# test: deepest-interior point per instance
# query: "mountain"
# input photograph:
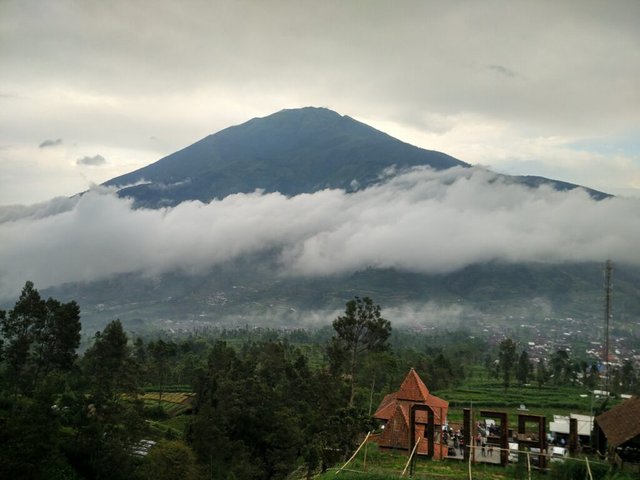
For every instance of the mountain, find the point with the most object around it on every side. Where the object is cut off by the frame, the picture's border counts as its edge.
(306, 150)
(292, 151)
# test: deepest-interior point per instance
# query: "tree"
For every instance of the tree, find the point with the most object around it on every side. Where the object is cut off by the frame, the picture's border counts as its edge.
(560, 367)
(169, 460)
(42, 336)
(593, 376)
(542, 374)
(109, 364)
(161, 352)
(112, 422)
(628, 378)
(361, 329)
(523, 369)
(58, 337)
(18, 329)
(506, 360)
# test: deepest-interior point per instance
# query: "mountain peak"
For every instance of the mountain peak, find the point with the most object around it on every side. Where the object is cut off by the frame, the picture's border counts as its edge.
(291, 151)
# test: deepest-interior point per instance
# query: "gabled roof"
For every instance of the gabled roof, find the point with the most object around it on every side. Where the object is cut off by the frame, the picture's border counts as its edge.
(400, 412)
(413, 388)
(387, 411)
(621, 423)
(387, 407)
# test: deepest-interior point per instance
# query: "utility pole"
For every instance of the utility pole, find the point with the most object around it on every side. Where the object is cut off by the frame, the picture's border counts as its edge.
(608, 269)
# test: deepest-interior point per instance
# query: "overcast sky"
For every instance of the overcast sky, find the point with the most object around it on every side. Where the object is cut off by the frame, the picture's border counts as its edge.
(90, 90)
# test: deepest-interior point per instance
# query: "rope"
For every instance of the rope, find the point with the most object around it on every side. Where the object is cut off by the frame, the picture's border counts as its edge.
(588, 468)
(354, 453)
(411, 456)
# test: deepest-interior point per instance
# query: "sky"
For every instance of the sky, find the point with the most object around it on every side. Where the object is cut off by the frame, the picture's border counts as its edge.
(92, 90)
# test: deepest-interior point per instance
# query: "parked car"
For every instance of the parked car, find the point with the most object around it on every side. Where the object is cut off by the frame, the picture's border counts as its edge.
(534, 456)
(513, 452)
(558, 454)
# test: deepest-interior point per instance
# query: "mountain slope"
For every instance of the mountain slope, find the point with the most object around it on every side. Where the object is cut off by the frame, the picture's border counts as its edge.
(292, 151)
(247, 291)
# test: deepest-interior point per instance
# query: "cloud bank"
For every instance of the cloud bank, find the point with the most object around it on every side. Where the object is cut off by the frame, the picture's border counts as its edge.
(422, 220)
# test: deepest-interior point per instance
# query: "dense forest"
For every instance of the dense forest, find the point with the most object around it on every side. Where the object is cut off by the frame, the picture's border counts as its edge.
(259, 403)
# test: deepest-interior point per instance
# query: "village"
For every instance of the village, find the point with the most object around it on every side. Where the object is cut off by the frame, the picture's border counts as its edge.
(414, 421)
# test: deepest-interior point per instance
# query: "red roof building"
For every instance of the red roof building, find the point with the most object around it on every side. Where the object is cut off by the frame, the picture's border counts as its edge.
(620, 427)
(394, 411)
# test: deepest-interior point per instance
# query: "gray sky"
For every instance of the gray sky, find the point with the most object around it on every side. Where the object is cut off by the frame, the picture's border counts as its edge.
(90, 90)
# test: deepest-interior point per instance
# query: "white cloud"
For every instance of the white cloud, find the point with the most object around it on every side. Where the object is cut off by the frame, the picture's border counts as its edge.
(420, 221)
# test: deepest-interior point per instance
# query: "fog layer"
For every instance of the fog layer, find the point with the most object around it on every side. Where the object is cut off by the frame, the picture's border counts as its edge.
(426, 221)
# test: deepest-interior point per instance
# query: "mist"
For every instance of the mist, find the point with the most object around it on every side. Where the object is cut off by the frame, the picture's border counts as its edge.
(422, 220)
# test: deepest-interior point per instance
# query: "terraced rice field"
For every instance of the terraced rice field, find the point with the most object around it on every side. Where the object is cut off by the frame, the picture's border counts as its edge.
(173, 403)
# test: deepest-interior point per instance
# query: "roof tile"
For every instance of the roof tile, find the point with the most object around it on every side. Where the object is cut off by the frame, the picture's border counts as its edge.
(621, 423)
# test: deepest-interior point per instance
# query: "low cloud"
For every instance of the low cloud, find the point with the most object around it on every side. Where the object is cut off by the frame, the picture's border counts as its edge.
(56, 206)
(421, 220)
(431, 314)
(409, 314)
(50, 143)
(92, 161)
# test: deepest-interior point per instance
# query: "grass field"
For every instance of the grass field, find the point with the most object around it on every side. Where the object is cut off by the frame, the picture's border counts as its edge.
(479, 392)
(390, 465)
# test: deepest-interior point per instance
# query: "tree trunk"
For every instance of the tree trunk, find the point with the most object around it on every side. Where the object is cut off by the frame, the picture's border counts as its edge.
(354, 355)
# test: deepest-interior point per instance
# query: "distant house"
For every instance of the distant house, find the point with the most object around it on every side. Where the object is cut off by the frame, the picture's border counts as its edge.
(394, 412)
(618, 431)
(560, 428)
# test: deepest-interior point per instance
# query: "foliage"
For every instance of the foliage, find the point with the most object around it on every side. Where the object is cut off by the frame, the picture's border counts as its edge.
(161, 353)
(524, 368)
(361, 329)
(169, 460)
(542, 374)
(577, 470)
(561, 367)
(111, 424)
(506, 360)
(265, 404)
(249, 403)
(40, 337)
